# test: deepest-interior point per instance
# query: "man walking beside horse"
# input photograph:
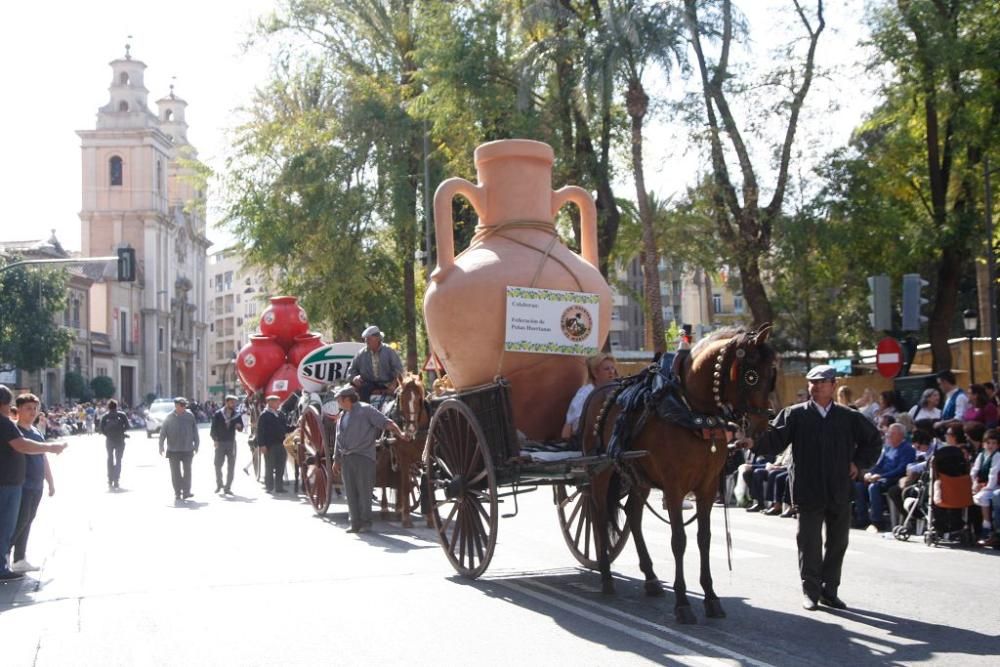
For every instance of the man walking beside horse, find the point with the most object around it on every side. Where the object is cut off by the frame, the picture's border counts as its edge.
(830, 444)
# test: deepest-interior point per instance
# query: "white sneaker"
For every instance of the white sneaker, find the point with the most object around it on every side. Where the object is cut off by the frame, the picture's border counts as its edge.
(22, 566)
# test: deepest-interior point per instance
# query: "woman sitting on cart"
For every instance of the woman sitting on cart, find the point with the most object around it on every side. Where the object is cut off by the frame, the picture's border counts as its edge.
(601, 370)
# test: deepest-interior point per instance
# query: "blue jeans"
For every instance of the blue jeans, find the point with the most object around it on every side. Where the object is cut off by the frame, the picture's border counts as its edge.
(869, 497)
(10, 505)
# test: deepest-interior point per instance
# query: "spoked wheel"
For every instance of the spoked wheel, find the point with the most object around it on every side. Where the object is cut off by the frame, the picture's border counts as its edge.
(463, 488)
(314, 466)
(576, 519)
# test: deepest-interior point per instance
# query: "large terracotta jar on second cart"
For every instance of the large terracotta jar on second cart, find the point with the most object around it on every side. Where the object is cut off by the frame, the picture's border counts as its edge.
(516, 245)
(284, 319)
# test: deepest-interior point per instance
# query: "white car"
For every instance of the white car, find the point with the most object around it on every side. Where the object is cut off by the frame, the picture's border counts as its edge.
(157, 412)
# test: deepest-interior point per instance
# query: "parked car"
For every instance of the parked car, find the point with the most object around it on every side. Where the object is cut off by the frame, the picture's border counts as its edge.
(157, 412)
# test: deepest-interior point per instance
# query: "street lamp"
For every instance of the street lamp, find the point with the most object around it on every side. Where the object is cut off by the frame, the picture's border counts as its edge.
(970, 320)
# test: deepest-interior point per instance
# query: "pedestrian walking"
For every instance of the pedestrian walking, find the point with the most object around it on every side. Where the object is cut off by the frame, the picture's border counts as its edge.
(180, 431)
(36, 470)
(830, 444)
(358, 426)
(13, 447)
(271, 430)
(113, 426)
(225, 423)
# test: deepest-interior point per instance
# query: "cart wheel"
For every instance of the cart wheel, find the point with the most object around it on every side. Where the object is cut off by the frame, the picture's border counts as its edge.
(576, 520)
(901, 533)
(463, 488)
(314, 467)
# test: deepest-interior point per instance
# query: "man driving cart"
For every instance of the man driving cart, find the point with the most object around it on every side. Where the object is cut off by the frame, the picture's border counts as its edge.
(376, 368)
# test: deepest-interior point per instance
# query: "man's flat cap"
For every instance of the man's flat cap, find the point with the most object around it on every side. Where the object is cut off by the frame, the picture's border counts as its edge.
(822, 372)
(371, 331)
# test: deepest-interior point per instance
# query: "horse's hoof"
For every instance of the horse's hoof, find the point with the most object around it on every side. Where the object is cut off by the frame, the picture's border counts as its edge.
(654, 589)
(713, 608)
(684, 615)
(608, 587)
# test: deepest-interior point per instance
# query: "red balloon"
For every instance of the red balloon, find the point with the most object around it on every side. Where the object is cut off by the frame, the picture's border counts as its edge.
(284, 319)
(303, 345)
(258, 360)
(284, 382)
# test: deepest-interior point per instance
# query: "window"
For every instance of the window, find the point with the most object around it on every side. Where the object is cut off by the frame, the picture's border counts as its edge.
(168, 115)
(716, 303)
(159, 339)
(123, 78)
(123, 320)
(123, 106)
(102, 371)
(738, 305)
(76, 312)
(229, 280)
(197, 348)
(159, 176)
(115, 170)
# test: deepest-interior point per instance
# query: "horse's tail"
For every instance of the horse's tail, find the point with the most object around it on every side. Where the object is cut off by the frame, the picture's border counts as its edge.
(609, 402)
(614, 493)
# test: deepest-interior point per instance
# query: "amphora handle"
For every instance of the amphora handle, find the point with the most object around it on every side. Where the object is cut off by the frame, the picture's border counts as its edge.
(444, 225)
(588, 218)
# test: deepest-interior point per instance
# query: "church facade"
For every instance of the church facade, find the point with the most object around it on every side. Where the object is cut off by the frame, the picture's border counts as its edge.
(143, 188)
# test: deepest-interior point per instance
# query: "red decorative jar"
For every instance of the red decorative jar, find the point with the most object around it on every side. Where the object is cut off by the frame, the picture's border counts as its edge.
(284, 382)
(284, 319)
(258, 360)
(303, 345)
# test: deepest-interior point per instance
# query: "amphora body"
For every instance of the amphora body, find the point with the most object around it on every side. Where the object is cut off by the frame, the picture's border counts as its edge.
(516, 245)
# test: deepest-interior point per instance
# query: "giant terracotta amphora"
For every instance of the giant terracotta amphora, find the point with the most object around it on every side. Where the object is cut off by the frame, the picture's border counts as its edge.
(516, 245)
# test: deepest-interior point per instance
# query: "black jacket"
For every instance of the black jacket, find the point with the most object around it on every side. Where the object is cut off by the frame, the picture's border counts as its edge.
(822, 451)
(223, 432)
(113, 425)
(271, 428)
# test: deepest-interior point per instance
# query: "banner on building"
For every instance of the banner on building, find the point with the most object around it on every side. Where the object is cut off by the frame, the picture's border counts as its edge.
(546, 321)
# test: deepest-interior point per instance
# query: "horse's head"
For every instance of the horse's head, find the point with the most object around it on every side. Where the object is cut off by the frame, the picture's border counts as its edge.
(411, 405)
(735, 372)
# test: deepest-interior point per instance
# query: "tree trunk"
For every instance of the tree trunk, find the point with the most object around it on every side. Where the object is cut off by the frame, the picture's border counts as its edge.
(753, 291)
(637, 103)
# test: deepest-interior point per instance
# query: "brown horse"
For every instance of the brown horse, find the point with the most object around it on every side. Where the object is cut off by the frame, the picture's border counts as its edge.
(727, 377)
(399, 467)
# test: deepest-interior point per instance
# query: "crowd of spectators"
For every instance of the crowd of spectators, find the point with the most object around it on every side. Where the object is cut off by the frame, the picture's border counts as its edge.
(944, 416)
(58, 420)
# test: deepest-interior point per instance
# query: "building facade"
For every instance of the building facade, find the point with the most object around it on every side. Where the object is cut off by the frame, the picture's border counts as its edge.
(141, 190)
(236, 298)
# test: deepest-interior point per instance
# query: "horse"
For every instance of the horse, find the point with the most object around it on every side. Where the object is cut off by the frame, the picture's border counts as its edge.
(727, 377)
(400, 467)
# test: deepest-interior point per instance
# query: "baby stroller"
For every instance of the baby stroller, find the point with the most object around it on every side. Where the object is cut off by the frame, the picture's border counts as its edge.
(916, 506)
(950, 496)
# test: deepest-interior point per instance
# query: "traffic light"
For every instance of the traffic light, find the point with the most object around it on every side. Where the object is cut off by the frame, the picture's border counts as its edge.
(913, 302)
(881, 315)
(126, 265)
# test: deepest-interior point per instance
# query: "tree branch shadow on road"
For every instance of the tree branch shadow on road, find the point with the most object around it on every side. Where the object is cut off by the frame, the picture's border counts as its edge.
(639, 625)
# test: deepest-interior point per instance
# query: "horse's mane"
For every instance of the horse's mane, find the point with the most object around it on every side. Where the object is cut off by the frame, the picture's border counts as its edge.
(705, 349)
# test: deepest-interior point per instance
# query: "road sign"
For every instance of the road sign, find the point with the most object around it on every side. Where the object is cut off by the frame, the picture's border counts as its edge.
(889, 357)
(433, 364)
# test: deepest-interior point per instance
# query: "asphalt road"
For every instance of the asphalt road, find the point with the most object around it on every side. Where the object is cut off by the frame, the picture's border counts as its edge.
(133, 578)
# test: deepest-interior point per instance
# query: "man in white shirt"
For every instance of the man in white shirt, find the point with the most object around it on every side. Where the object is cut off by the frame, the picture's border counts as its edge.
(955, 400)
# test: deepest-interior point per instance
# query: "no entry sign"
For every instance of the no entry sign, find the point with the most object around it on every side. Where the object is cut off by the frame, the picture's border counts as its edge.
(889, 357)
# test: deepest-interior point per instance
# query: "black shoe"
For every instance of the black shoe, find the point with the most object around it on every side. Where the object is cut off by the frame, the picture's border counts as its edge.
(218, 488)
(831, 600)
(354, 529)
(808, 602)
(188, 495)
(11, 576)
(177, 496)
(229, 492)
(279, 489)
(116, 483)
(756, 507)
(773, 510)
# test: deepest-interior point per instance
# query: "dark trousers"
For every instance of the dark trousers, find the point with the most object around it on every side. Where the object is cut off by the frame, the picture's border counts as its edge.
(10, 504)
(115, 451)
(274, 468)
(181, 478)
(819, 568)
(225, 451)
(782, 494)
(358, 473)
(26, 514)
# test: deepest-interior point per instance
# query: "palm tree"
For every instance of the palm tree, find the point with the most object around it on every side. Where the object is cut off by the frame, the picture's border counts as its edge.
(639, 34)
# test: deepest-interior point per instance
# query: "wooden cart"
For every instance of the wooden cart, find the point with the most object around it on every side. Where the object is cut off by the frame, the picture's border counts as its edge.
(473, 463)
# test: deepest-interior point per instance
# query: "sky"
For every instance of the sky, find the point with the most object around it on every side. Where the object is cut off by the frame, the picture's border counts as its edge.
(56, 75)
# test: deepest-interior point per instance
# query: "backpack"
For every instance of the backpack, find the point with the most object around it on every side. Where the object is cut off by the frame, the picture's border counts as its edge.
(113, 426)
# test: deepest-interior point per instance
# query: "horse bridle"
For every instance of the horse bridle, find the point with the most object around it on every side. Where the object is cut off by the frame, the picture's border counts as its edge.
(748, 379)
